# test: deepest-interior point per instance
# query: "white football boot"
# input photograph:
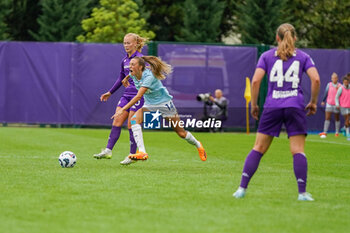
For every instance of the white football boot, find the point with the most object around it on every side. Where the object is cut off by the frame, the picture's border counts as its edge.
(127, 161)
(105, 154)
(305, 197)
(240, 193)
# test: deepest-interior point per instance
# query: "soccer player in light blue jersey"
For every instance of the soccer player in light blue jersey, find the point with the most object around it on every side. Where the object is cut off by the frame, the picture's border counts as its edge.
(284, 105)
(157, 98)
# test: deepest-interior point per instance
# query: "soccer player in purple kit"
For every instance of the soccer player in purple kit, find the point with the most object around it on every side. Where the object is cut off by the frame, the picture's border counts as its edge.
(133, 44)
(284, 104)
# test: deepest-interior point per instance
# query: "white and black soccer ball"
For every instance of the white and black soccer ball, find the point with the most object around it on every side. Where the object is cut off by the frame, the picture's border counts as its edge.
(67, 159)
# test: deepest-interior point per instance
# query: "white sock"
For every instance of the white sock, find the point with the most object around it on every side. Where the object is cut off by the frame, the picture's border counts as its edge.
(137, 131)
(337, 126)
(326, 126)
(192, 140)
(347, 131)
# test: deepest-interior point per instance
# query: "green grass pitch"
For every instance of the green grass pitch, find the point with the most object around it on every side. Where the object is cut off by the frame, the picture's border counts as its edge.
(174, 191)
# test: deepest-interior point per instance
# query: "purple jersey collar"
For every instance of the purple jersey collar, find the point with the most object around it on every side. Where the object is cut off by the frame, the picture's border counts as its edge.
(136, 54)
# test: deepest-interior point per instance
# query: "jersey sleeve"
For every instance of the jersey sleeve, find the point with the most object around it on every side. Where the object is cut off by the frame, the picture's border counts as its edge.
(118, 83)
(147, 79)
(308, 63)
(262, 62)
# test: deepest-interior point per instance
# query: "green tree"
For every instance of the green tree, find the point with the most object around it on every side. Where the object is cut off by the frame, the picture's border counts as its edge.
(257, 20)
(321, 23)
(4, 12)
(201, 20)
(60, 19)
(111, 21)
(165, 17)
(22, 19)
(228, 22)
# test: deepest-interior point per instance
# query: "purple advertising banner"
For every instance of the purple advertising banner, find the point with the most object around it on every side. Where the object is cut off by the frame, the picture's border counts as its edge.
(203, 69)
(326, 61)
(60, 83)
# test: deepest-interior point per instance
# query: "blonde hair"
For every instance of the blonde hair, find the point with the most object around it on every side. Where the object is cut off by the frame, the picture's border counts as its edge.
(286, 48)
(140, 41)
(158, 67)
(334, 74)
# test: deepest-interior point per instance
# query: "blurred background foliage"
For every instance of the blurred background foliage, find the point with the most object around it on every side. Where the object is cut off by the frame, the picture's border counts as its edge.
(319, 23)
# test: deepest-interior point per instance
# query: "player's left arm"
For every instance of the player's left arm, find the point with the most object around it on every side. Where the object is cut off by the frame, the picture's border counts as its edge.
(315, 89)
(256, 81)
(325, 94)
(133, 101)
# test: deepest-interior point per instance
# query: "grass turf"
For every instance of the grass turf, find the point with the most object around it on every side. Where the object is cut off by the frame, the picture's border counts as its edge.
(174, 191)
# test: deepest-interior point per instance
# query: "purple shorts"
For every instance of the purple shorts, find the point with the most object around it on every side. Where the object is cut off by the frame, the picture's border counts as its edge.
(124, 100)
(294, 119)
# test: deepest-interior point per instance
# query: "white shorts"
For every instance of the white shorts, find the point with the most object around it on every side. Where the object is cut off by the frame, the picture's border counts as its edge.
(344, 111)
(167, 109)
(331, 108)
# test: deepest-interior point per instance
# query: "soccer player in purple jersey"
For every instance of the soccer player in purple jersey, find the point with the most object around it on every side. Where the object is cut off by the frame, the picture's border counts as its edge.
(133, 44)
(284, 104)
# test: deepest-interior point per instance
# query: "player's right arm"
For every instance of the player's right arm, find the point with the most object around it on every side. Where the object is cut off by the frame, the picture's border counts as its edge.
(315, 89)
(117, 83)
(133, 101)
(325, 95)
(257, 78)
(104, 97)
(125, 81)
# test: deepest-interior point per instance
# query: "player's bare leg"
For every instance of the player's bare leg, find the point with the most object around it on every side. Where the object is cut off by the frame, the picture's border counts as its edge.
(187, 136)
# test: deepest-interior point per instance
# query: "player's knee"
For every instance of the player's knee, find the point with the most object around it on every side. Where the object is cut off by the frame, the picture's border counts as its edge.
(117, 122)
(260, 148)
(133, 120)
(296, 150)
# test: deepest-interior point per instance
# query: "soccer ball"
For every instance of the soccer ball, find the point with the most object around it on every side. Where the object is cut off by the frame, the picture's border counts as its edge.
(323, 136)
(67, 159)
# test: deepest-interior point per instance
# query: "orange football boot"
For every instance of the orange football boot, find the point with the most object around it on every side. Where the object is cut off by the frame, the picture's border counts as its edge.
(202, 153)
(139, 156)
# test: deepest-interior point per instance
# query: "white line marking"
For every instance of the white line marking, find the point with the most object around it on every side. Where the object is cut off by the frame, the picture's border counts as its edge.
(330, 142)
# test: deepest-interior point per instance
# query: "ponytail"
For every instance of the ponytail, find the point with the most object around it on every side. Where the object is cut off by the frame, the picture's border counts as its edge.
(158, 67)
(286, 47)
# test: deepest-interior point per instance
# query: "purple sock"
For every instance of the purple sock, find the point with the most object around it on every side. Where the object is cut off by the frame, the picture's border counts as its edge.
(133, 145)
(113, 137)
(251, 164)
(300, 171)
